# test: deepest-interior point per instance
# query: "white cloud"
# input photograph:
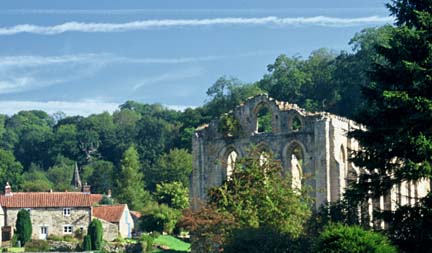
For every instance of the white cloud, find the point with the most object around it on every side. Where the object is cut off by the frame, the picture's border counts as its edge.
(169, 77)
(167, 23)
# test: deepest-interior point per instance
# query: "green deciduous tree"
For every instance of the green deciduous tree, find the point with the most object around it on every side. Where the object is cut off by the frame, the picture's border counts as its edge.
(23, 226)
(258, 195)
(173, 166)
(10, 170)
(159, 218)
(130, 183)
(173, 194)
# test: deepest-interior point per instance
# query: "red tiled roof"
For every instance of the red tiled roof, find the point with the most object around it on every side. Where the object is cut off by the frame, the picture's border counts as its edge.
(48, 199)
(109, 213)
(136, 214)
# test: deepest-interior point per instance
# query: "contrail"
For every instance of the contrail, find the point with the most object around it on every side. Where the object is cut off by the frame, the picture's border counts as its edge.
(172, 23)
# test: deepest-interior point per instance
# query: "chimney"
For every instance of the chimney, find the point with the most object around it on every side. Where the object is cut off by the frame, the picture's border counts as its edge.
(8, 189)
(86, 188)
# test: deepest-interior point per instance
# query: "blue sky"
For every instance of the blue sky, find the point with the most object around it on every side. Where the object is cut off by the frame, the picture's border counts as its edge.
(85, 57)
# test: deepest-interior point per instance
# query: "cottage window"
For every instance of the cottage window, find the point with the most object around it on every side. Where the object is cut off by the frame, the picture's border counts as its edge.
(66, 211)
(67, 229)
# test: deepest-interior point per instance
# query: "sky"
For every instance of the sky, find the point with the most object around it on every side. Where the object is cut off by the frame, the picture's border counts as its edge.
(83, 57)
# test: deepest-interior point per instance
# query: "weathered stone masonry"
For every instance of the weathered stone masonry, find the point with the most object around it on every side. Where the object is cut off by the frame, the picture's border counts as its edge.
(319, 140)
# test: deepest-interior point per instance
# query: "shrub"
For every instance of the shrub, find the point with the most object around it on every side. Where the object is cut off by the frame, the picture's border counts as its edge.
(23, 226)
(146, 242)
(95, 231)
(256, 240)
(37, 246)
(342, 238)
(159, 218)
(87, 245)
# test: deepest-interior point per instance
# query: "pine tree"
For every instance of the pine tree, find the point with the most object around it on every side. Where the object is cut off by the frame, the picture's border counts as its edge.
(23, 226)
(130, 185)
(397, 146)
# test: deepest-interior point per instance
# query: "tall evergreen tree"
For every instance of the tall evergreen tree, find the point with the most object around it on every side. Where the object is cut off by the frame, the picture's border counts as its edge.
(130, 185)
(23, 226)
(95, 235)
(397, 145)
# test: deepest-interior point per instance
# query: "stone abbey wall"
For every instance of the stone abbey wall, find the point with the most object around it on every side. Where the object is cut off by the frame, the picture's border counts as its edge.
(313, 146)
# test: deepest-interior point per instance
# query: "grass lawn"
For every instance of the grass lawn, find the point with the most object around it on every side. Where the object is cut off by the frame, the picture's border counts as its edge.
(15, 249)
(173, 243)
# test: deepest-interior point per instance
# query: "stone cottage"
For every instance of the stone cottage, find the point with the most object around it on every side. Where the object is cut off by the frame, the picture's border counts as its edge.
(116, 220)
(52, 213)
(313, 148)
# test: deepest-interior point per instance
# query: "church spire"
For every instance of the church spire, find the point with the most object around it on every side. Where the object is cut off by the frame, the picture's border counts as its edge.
(76, 180)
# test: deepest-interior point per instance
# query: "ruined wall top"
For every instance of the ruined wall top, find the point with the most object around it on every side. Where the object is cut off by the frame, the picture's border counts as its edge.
(282, 120)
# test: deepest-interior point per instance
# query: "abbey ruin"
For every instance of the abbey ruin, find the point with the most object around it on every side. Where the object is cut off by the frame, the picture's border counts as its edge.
(313, 148)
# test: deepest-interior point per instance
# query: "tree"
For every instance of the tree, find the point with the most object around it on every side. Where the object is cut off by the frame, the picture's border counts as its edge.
(258, 195)
(342, 238)
(23, 226)
(173, 194)
(102, 173)
(130, 185)
(95, 232)
(397, 145)
(159, 218)
(87, 245)
(10, 169)
(35, 180)
(170, 167)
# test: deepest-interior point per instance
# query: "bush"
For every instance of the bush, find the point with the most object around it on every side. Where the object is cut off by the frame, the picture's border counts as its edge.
(257, 240)
(146, 242)
(86, 246)
(37, 246)
(95, 231)
(159, 218)
(342, 238)
(23, 226)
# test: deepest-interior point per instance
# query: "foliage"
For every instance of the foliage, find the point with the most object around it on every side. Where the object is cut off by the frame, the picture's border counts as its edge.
(87, 244)
(95, 232)
(159, 218)
(61, 174)
(342, 238)
(174, 194)
(410, 227)
(37, 246)
(229, 126)
(170, 167)
(102, 176)
(23, 226)
(146, 242)
(35, 180)
(397, 145)
(10, 170)
(258, 195)
(208, 227)
(257, 240)
(130, 185)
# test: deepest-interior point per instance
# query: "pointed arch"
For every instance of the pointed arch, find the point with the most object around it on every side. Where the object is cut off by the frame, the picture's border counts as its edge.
(228, 157)
(295, 157)
(264, 118)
